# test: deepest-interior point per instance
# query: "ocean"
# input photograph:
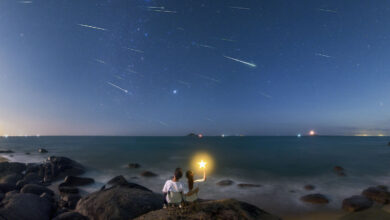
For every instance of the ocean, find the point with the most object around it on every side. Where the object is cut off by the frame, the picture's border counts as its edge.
(281, 165)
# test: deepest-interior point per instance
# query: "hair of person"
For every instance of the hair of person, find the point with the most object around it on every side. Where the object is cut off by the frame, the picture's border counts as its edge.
(190, 179)
(178, 173)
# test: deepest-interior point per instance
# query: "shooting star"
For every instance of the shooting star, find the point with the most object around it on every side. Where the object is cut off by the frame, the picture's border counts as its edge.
(115, 86)
(265, 95)
(100, 61)
(93, 27)
(180, 29)
(135, 50)
(206, 46)
(157, 7)
(240, 8)
(25, 2)
(322, 55)
(164, 11)
(226, 39)
(241, 61)
(163, 123)
(210, 78)
(184, 83)
(327, 10)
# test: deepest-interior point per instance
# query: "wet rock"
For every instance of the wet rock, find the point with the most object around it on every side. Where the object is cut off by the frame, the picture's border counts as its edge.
(388, 144)
(248, 185)
(70, 200)
(134, 165)
(315, 199)
(42, 150)
(32, 168)
(25, 206)
(36, 189)
(5, 187)
(309, 187)
(220, 209)
(121, 181)
(377, 194)
(339, 171)
(225, 183)
(148, 174)
(77, 181)
(368, 214)
(58, 167)
(356, 203)
(6, 152)
(70, 216)
(119, 202)
(68, 189)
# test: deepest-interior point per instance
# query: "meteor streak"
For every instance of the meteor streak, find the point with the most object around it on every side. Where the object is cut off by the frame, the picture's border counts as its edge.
(210, 78)
(115, 86)
(93, 27)
(206, 46)
(25, 2)
(240, 8)
(322, 55)
(327, 10)
(157, 7)
(135, 50)
(100, 61)
(174, 12)
(241, 61)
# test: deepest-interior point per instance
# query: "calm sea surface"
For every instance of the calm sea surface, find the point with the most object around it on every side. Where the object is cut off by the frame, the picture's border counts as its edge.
(282, 165)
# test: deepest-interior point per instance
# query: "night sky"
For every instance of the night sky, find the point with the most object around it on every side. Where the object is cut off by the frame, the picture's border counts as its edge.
(132, 67)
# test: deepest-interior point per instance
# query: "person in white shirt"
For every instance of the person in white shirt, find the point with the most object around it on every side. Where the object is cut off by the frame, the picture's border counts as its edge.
(173, 185)
(191, 194)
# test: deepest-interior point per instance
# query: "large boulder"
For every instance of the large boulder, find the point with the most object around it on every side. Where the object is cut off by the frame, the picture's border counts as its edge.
(25, 206)
(59, 167)
(356, 203)
(11, 167)
(377, 194)
(70, 216)
(209, 210)
(119, 202)
(5, 187)
(134, 165)
(315, 199)
(36, 189)
(339, 170)
(11, 179)
(121, 181)
(42, 150)
(77, 181)
(369, 214)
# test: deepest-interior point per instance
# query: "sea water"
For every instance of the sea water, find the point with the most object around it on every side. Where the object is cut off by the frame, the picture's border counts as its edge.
(281, 165)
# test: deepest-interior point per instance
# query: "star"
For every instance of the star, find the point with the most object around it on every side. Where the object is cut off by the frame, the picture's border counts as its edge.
(202, 164)
(174, 91)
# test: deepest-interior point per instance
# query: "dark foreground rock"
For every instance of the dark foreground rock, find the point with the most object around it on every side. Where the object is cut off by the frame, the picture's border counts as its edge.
(356, 203)
(225, 183)
(221, 209)
(12, 178)
(77, 181)
(377, 194)
(68, 189)
(18, 206)
(148, 174)
(6, 152)
(368, 214)
(70, 216)
(36, 189)
(119, 202)
(134, 165)
(58, 167)
(315, 199)
(11, 167)
(121, 181)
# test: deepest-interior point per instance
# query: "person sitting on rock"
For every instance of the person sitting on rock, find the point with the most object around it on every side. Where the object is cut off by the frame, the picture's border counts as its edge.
(192, 191)
(173, 189)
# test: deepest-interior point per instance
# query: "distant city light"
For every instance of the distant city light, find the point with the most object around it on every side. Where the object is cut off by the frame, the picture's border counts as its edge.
(5, 136)
(312, 132)
(200, 135)
(299, 135)
(223, 135)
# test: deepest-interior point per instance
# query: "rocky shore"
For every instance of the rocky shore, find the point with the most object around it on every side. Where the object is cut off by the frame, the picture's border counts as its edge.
(27, 191)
